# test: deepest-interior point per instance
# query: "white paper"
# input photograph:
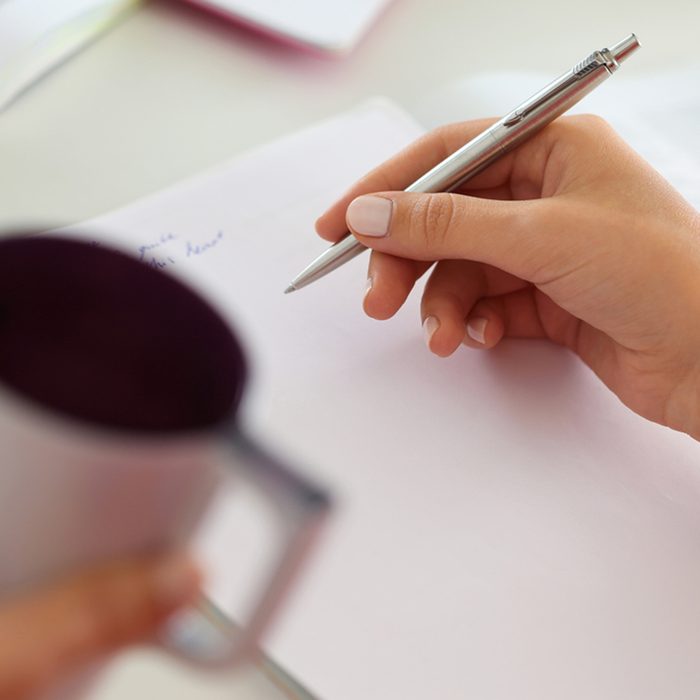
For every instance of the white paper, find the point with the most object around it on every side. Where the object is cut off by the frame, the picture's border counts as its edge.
(505, 527)
(37, 35)
(331, 26)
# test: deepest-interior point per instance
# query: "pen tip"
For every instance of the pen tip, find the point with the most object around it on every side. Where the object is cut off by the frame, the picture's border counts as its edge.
(290, 289)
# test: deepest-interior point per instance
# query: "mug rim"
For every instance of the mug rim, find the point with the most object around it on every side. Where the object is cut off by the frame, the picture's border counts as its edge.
(203, 316)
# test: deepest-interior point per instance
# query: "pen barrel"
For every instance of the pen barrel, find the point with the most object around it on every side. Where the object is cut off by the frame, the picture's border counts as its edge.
(510, 131)
(573, 90)
(461, 165)
(526, 119)
(503, 136)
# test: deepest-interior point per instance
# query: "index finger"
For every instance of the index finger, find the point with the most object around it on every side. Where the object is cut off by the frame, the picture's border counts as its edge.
(408, 165)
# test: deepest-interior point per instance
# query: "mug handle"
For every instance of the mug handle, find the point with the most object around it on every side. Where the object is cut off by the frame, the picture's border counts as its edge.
(205, 635)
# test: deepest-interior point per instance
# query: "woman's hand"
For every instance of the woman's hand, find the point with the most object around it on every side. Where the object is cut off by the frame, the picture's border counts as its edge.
(571, 237)
(52, 632)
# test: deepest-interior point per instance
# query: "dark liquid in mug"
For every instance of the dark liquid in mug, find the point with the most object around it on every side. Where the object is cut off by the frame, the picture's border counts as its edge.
(95, 334)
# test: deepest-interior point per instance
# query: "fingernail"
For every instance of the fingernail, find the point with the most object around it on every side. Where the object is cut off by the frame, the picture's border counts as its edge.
(174, 580)
(476, 329)
(369, 216)
(368, 285)
(430, 325)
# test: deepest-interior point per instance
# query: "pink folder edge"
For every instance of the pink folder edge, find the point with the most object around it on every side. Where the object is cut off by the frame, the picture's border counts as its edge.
(280, 37)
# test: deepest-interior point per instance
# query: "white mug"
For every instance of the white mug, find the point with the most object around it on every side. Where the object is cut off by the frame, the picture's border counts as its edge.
(119, 388)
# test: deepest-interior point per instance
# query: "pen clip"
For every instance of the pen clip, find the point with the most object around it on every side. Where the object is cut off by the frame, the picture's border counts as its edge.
(603, 58)
(598, 59)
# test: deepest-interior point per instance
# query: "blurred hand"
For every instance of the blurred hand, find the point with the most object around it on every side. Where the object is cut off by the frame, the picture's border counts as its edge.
(52, 632)
(571, 237)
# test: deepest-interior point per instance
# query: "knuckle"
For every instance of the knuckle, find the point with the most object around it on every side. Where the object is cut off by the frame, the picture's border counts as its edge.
(593, 122)
(590, 126)
(376, 180)
(435, 218)
(547, 239)
(444, 136)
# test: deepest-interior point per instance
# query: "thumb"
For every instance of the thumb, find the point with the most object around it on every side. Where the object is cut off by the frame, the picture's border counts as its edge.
(505, 233)
(50, 632)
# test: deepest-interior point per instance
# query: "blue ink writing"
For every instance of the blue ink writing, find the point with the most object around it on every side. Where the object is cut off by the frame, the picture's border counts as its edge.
(199, 248)
(164, 238)
(159, 264)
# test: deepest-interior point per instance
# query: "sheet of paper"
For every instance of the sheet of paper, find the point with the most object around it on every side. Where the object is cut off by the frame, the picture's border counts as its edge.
(505, 527)
(37, 35)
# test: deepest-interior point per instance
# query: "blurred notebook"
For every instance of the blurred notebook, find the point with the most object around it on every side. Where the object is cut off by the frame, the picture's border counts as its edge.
(37, 35)
(331, 26)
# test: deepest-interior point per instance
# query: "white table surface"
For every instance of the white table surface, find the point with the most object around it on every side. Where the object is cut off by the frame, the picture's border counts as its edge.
(171, 91)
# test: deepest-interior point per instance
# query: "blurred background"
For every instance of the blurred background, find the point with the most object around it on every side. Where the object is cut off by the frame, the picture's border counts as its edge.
(171, 89)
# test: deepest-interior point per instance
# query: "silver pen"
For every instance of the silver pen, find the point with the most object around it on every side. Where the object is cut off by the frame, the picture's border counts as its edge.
(517, 126)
